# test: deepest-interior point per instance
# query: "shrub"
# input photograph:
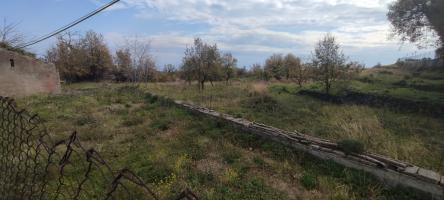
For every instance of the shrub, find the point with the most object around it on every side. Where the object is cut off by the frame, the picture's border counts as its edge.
(261, 102)
(385, 72)
(349, 146)
(133, 121)
(259, 162)
(149, 98)
(235, 114)
(401, 83)
(231, 156)
(280, 89)
(309, 181)
(154, 172)
(162, 124)
(85, 120)
(367, 79)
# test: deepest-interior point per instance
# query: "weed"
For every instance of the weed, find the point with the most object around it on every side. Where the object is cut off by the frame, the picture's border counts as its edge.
(309, 181)
(154, 172)
(162, 124)
(85, 120)
(263, 103)
(259, 161)
(231, 155)
(149, 98)
(349, 146)
(132, 121)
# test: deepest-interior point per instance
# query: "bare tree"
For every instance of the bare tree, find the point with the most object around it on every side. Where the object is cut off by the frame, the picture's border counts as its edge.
(9, 34)
(257, 71)
(169, 73)
(329, 61)
(144, 68)
(229, 63)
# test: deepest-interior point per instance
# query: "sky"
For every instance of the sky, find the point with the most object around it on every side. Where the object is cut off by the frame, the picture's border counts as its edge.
(251, 30)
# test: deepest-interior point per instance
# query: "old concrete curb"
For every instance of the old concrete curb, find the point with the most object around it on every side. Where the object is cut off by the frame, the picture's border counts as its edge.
(389, 171)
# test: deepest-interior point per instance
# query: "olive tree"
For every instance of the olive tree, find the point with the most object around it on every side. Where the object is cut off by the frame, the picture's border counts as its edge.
(295, 69)
(329, 61)
(202, 62)
(275, 66)
(229, 63)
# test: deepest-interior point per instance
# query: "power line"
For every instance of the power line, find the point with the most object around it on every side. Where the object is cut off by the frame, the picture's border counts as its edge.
(64, 28)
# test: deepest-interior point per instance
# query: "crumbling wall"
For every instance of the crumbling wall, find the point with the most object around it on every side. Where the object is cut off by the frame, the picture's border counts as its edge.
(23, 76)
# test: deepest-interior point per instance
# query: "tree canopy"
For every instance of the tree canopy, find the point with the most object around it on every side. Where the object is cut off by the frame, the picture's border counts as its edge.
(329, 61)
(417, 21)
(202, 62)
(80, 58)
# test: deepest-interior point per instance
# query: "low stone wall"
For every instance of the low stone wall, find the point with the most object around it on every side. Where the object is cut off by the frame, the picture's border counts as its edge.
(22, 75)
(389, 171)
(374, 100)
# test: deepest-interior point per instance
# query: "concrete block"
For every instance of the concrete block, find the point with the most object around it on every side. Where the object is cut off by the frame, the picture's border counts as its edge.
(431, 175)
(411, 170)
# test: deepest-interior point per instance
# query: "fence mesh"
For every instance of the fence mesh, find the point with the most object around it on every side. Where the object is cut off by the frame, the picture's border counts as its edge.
(33, 166)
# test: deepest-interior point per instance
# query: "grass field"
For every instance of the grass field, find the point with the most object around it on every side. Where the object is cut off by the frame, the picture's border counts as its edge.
(172, 149)
(411, 137)
(413, 84)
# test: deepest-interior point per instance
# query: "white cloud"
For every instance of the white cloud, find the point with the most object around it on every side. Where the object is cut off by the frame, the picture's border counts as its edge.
(269, 26)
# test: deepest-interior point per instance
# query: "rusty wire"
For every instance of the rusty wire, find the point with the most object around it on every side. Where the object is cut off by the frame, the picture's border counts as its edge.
(33, 166)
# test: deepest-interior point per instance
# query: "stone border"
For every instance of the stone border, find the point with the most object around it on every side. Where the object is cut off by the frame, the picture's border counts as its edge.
(389, 171)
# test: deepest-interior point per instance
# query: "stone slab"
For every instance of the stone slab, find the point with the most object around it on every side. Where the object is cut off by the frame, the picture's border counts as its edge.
(411, 170)
(434, 176)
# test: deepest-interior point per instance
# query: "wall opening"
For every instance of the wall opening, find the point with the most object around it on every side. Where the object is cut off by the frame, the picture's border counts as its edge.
(11, 61)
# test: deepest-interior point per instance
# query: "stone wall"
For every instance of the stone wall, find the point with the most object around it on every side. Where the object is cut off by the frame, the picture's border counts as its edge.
(23, 76)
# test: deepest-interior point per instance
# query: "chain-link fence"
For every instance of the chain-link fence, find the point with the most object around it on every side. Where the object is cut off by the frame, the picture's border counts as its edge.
(33, 166)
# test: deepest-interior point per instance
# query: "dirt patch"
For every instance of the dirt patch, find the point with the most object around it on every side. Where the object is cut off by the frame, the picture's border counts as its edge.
(211, 165)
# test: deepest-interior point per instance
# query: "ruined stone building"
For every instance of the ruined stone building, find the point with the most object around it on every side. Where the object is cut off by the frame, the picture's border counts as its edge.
(23, 75)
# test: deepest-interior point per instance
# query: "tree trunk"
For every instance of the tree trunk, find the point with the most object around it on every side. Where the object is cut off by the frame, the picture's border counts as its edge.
(327, 87)
(202, 85)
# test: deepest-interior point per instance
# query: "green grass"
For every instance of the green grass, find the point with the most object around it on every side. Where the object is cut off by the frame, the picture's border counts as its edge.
(172, 149)
(403, 83)
(415, 138)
